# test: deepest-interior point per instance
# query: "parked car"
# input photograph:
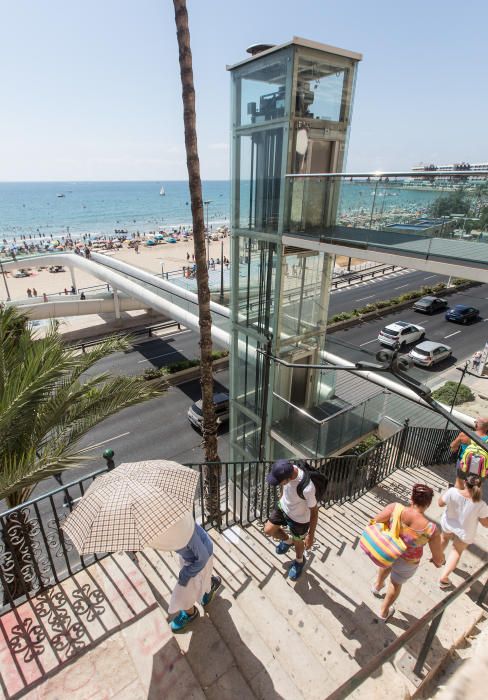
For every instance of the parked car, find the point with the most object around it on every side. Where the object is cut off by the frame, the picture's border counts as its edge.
(429, 305)
(429, 353)
(462, 314)
(401, 333)
(221, 403)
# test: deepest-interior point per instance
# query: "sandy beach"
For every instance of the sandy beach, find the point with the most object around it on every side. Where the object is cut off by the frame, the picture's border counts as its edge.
(167, 257)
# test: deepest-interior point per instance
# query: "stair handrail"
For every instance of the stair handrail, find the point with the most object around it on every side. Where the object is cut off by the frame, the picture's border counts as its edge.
(434, 616)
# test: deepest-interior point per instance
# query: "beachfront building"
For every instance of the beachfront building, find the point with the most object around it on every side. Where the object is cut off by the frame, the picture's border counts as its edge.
(291, 112)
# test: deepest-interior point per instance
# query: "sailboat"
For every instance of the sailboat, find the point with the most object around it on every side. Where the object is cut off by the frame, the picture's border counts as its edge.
(162, 192)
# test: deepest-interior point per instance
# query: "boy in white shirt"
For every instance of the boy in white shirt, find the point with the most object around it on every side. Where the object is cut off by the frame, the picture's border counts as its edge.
(299, 513)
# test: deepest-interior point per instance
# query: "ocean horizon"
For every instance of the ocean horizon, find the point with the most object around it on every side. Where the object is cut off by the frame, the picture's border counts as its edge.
(75, 207)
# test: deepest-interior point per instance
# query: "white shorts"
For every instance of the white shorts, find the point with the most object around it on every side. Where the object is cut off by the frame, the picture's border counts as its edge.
(184, 597)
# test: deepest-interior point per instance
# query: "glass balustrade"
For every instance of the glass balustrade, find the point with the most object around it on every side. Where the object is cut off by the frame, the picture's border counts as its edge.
(435, 216)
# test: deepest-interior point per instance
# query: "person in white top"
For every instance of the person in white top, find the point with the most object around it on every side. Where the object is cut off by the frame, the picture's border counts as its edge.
(297, 510)
(464, 510)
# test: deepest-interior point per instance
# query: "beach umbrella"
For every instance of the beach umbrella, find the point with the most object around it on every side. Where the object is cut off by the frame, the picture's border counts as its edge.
(150, 242)
(158, 236)
(126, 508)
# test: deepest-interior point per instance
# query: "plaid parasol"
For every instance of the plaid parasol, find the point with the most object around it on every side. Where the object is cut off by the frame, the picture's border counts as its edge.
(126, 508)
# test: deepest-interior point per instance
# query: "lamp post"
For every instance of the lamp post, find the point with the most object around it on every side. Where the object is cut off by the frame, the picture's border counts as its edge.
(5, 281)
(206, 203)
(222, 271)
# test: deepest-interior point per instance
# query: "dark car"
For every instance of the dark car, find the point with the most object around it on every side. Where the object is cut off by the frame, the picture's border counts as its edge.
(462, 314)
(429, 305)
(221, 403)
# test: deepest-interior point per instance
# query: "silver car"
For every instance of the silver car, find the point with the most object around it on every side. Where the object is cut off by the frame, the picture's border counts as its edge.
(429, 353)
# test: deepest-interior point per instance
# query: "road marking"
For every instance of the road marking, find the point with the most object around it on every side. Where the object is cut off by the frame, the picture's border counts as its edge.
(429, 277)
(368, 342)
(451, 334)
(364, 298)
(149, 359)
(115, 437)
(402, 286)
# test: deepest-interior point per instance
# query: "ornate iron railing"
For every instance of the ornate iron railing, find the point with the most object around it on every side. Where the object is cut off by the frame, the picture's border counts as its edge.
(35, 554)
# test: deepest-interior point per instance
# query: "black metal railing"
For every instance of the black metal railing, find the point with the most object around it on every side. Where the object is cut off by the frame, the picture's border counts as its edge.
(35, 554)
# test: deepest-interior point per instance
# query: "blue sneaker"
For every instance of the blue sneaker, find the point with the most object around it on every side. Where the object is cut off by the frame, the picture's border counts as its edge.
(182, 620)
(208, 597)
(282, 547)
(295, 570)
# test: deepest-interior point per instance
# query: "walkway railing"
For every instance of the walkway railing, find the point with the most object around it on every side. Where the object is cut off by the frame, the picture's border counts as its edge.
(422, 215)
(35, 554)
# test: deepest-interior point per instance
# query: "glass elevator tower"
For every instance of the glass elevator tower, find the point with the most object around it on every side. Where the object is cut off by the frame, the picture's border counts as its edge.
(291, 111)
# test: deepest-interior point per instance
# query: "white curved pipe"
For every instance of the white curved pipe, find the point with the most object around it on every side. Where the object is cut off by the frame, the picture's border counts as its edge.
(150, 278)
(132, 289)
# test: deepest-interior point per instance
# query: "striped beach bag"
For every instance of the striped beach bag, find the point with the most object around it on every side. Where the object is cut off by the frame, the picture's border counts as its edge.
(383, 544)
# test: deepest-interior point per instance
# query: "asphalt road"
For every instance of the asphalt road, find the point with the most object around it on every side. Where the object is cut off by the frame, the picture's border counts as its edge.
(380, 288)
(464, 340)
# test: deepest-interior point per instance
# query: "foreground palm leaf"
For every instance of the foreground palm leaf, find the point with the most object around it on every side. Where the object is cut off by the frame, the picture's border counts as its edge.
(46, 406)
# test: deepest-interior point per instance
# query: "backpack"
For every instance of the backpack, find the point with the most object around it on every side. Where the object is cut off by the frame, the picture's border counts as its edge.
(474, 460)
(310, 474)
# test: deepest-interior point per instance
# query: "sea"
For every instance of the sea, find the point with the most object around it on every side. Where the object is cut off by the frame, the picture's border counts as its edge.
(37, 211)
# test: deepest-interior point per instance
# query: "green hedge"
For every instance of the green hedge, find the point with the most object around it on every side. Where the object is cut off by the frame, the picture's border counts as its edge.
(384, 304)
(447, 392)
(173, 367)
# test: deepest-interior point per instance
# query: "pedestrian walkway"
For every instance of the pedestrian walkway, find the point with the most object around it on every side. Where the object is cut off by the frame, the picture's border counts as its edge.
(104, 632)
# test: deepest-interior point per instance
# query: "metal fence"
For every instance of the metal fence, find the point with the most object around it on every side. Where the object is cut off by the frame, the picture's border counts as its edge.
(35, 554)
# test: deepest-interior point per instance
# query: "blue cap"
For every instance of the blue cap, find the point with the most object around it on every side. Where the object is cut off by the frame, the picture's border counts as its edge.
(281, 470)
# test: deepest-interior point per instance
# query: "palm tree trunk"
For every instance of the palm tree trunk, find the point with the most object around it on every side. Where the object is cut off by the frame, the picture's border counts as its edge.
(212, 471)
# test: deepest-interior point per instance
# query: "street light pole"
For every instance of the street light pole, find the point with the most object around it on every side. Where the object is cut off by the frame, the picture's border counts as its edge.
(5, 281)
(222, 271)
(206, 203)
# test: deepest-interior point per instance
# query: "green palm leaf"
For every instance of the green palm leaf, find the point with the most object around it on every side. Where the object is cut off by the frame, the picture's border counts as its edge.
(47, 404)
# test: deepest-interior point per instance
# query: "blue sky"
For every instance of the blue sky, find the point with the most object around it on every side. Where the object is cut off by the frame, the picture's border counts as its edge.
(89, 89)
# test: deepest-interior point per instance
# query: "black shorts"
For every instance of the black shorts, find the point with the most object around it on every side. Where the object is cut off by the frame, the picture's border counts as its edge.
(297, 530)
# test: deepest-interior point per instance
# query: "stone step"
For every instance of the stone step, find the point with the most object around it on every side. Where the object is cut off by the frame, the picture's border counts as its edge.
(298, 613)
(207, 654)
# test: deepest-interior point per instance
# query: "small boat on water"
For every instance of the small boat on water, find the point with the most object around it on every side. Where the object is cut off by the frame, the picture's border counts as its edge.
(61, 195)
(162, 192)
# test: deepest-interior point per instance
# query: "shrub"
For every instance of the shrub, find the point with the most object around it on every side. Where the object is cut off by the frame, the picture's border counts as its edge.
(344, 316)
(458, 282)
(364, 445)
(152, 373)
(383, 304)
(367, 309)
(438, 287)
(447, 392)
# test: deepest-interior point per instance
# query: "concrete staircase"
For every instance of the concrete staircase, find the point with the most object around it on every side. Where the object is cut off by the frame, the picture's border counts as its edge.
(266, 638)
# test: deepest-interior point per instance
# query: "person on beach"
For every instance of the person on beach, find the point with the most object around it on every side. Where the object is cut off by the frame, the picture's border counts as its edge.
(34, 292)
(459, 445)
(187, 256)
(82, 296)
(459, 521)
(416, 531)
(29, 292)
(44, 296)
(298, 512)
(196, 582)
